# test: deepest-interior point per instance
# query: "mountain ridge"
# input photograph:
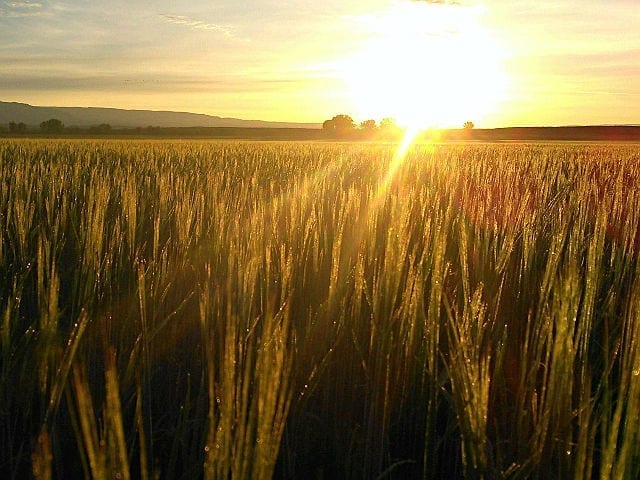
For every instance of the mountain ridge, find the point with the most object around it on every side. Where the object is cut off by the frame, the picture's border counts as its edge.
(33, 115)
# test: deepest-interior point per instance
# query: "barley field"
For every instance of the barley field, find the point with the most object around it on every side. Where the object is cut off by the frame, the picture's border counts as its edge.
(237, 310)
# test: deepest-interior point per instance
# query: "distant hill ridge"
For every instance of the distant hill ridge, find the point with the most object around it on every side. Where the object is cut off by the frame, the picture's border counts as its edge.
(184, 124)
(121, 118)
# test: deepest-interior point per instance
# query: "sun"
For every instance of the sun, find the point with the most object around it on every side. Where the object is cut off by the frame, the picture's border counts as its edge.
(426, 65)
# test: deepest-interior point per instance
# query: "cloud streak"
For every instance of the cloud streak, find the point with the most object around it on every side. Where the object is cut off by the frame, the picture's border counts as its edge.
(28, 5)
(20, 9)
(151, 83)
(197, 24)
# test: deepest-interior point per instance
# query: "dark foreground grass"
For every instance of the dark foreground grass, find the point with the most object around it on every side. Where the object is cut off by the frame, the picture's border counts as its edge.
(239, 310)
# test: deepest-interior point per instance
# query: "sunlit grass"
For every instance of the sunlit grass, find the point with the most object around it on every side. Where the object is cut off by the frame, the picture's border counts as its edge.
(239, 310)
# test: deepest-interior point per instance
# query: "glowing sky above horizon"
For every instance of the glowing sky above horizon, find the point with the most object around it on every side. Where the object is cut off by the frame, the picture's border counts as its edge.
(432, 62)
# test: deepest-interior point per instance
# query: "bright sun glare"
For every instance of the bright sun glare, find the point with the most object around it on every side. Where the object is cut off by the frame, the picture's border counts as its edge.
(426, 65)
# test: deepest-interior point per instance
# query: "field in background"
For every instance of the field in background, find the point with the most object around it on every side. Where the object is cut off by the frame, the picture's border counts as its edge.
(297, 310)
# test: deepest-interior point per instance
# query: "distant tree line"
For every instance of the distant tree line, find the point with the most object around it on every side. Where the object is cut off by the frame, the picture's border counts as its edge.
(54, 125)
(344, 127)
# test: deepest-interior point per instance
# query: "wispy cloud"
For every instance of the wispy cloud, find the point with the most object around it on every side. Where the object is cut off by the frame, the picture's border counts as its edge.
(24, 4)
(20, 9)
(198, 24)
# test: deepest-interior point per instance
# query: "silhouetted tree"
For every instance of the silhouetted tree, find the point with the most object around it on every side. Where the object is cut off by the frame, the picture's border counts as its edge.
(53, 125)
(368, 125)
(340, 125)
(17, 127)
(468, 125)
(328, 125)
(368, 129)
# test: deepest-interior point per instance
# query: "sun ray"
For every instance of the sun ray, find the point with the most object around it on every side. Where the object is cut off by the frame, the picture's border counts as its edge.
(398, 158)
(396, 162)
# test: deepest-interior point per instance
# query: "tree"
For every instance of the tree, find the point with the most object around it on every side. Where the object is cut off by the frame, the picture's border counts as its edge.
(468, 125)
(52, 125)
(388, 124)
(389, 128)
(328, 125)
(368, 125)
(17, 127)
(340, 125)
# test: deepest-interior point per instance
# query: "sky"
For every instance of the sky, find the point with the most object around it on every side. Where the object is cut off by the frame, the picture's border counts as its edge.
(423, 62)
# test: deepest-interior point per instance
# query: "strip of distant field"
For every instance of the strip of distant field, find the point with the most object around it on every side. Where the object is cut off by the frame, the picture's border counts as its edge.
(609, 133)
